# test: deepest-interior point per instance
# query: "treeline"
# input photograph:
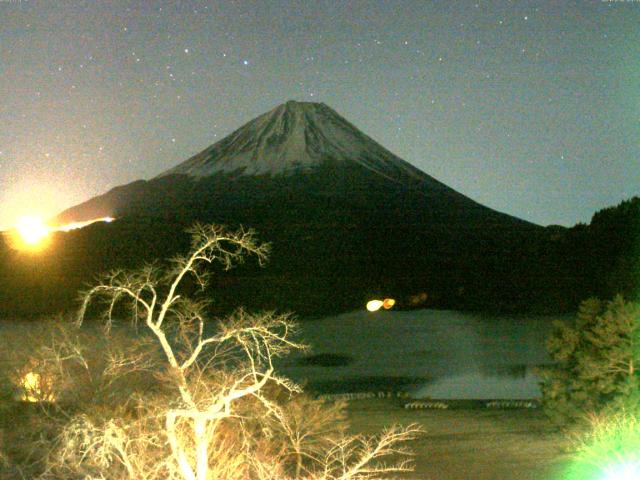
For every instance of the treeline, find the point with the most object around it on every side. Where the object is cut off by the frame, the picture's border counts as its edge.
(330, 256)
(607, 251)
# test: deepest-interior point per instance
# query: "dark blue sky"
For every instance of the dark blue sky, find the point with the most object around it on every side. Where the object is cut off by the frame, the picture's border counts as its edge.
(529, 107)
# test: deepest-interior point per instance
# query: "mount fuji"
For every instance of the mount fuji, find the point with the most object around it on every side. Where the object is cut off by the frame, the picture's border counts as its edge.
(348, 220)
(296, 144)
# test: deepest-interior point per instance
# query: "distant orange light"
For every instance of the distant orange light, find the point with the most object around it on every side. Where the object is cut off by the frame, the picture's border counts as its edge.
(387, 303)
(36, 389)
(32, 230)
(375, 305)
(29, 234)
(32, 234)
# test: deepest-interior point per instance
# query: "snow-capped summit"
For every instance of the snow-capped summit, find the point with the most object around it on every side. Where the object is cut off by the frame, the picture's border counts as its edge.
(294, 137)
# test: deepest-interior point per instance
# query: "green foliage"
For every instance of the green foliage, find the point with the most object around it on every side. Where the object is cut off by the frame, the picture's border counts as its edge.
(597, 360)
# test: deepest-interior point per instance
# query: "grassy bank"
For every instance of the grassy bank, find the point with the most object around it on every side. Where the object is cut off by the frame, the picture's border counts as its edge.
(470, 444)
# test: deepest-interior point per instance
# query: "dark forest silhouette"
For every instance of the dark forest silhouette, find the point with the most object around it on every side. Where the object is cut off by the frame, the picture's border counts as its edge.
(337, 263)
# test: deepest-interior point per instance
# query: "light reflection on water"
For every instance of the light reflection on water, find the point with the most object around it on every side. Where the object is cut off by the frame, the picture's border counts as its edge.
(458, 355)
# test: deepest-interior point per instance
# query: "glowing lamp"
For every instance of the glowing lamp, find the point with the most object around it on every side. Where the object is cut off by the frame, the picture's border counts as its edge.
(34, 389)
(623, 471)
(374, 305)
(387, 303)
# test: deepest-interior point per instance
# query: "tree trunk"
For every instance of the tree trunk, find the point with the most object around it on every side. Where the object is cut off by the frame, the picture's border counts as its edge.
(202, 456)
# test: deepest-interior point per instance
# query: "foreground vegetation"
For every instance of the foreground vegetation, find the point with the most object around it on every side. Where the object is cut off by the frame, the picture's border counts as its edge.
(593, 391)
(596, 362)
(184, 398)
(172, 393)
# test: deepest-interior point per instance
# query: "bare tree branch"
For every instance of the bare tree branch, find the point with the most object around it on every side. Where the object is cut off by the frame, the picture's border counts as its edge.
(219, 373)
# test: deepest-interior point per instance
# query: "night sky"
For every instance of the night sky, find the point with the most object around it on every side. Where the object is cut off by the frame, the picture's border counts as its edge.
(529, 107)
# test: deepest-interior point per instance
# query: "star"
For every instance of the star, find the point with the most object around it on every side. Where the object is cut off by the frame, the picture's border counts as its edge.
(496, 67)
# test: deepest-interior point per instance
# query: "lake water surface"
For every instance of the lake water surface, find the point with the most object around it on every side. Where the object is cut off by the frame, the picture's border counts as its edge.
(426, 353)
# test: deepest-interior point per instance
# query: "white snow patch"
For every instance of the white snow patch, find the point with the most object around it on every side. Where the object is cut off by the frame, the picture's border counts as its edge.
(292, 137)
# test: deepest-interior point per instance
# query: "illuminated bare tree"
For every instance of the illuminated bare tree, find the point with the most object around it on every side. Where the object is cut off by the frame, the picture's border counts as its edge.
(215, 369)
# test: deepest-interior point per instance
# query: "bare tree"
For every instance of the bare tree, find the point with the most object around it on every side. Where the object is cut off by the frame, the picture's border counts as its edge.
(220, 371)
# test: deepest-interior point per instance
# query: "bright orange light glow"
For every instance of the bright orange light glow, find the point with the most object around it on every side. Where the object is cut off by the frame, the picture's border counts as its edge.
(32, 234)
(32, 230)
(375, 305)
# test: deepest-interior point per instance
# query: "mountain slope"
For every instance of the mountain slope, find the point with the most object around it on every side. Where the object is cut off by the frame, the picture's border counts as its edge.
(296, 146)
(347, 218)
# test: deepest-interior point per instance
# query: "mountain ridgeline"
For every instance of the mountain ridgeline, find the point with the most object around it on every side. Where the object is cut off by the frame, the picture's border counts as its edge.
(347, 219)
